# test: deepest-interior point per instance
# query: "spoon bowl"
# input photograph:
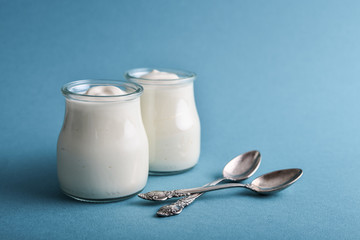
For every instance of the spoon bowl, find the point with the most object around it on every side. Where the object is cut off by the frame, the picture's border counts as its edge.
(242, 166)
(275, 181)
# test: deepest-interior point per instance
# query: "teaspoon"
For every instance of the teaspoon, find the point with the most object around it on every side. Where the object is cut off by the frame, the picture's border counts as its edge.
(239, 168)
(265, 184)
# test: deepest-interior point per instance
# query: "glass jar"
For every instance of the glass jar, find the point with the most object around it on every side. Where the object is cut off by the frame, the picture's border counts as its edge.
(102, 152)
(171, 120)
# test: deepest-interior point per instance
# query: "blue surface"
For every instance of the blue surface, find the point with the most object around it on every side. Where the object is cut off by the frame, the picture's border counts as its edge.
(282, 77)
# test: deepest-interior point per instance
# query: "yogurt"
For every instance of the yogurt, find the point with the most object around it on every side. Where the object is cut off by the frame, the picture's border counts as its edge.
(103, 150)
(105, 91)
(170, 118)
(157, 75)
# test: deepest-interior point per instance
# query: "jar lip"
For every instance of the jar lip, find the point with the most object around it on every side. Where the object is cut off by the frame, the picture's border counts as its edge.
(76, 90)
(134, 75)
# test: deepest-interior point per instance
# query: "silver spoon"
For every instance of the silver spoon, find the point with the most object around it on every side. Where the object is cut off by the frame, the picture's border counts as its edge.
(239, 168)
(265, 184)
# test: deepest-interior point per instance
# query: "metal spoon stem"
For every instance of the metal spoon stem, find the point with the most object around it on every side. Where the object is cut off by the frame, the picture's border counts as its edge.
(209, 188)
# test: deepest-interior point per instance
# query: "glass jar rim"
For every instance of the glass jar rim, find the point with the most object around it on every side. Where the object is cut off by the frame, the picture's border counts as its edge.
(136, 73)
(76, 90)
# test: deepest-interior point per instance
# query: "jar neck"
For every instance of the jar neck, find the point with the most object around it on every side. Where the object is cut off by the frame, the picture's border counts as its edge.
(183, 77)
(162, 83)
(77, 91)
(107, 111)
(101, 104)
(186, 85)
(184, 91)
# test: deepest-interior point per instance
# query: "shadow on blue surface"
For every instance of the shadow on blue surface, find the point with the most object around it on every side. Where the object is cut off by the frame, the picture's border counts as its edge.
(35, 180)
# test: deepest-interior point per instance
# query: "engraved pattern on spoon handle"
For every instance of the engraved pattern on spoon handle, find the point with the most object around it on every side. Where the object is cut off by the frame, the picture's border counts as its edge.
(162, 195)
(177, 207)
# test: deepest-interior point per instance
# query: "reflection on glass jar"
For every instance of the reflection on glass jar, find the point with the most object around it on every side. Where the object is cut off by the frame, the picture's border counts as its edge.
(170, 118)
(102, 147)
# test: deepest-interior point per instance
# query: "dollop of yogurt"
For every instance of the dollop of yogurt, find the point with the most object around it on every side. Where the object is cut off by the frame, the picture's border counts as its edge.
(105, 91)
(155, 74)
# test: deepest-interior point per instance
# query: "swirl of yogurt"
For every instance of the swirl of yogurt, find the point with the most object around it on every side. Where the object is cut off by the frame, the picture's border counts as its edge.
(155, 74)
(105, 91)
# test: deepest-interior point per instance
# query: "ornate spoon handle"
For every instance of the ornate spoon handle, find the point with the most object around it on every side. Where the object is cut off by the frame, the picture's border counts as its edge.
(163, 195)
(177, 207)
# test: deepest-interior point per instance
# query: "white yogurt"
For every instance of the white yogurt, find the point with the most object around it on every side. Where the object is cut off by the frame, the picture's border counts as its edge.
(105, 91)
(170, 119)
(102, 148)
(157, 75)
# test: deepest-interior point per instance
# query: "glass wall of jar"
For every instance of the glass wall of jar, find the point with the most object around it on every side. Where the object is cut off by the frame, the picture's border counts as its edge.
(102, 152)
(170, 118)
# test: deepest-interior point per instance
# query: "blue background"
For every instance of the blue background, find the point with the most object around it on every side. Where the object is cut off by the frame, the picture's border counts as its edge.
(278, 76)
